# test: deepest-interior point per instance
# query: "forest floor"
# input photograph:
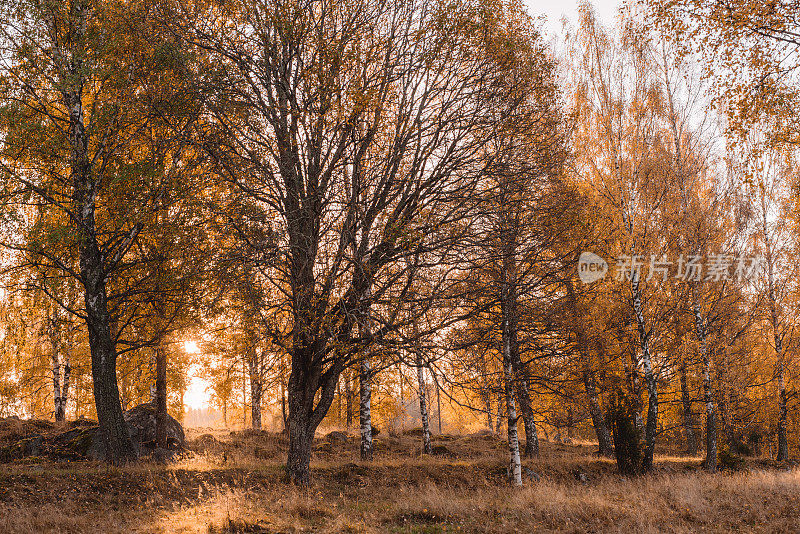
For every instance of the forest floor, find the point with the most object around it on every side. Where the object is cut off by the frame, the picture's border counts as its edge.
(233, 482)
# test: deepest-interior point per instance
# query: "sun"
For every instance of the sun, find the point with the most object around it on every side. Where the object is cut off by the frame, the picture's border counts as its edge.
(191, 347)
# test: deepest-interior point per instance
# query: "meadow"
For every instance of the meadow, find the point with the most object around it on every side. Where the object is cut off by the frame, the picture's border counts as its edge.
(230, 482)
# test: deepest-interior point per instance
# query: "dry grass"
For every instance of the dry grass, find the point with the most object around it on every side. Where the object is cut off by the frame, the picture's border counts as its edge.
(234, 484)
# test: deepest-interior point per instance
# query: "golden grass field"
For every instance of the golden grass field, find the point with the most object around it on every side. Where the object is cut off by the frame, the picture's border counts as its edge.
(233, 482)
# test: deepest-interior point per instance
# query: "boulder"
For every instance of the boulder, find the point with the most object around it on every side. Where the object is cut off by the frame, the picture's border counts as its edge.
(142, 427)
(337, 437)
(82, 438)
(86, 439)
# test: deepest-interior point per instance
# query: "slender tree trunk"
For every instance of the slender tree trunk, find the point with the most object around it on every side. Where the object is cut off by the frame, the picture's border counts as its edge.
(604, 441)
(778, 333)
(256, 392)
(256, 387)
(515, 463)
(58, 409)
(365, 409)
(349, 399)
(423, 405)
(708, 397)
(487, 400)
(783, 443)
(520, 376)
(55, 365)
(688, 415)
(650, 380)
(501, 402)
(65, 387)
(60, 384)
(161, 397)
(438, 404)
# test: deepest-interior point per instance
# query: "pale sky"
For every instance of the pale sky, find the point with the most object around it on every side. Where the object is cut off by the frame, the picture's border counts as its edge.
(555, 9)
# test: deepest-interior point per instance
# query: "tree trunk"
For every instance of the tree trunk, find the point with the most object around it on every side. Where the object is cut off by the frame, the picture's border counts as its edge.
(161, 397)
(60, 384)
(256, 388)
(652, 387)
(515, 464)
(301, 438)
(349, 400)
(256, 391)
(438, 404)
(423, 406)
(508, 302)
(307, 385)
(708, 397)
(783, 443)
(365, 409)
(688, 416)
(487, 400)
(604, 441)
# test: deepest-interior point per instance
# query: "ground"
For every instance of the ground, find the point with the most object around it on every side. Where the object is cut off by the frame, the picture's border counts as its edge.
(233, 482)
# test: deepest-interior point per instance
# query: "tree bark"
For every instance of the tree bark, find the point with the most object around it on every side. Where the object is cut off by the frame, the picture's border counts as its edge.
(256, 387)
(349, 400)
(301, 437)
(60, 383)
(783, 442)
(509, 310)
(161, 397)
(487, 400)
(365, 409)
(305, 382)
(515, 464)
(708, 397)
(604, 441)
(256, 392)
(423, 405)
(650, 380)
(688, 416)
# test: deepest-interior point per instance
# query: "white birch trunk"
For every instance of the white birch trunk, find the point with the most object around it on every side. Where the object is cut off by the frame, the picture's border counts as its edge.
(515, 463)
(365, 409)
(423, 406)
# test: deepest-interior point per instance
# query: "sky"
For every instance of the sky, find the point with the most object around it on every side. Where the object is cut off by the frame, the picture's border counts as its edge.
(554, 10)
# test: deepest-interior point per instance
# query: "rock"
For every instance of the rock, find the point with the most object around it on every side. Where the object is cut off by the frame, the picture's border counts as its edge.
(142, 427)
(83, 439)
(30, 446)
(581, 477)
(337, 437)
(141, 422)
(530, 474)
(33, 446)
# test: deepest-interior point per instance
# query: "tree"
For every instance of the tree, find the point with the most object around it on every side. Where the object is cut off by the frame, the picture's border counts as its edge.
(749, 51)
(345, 121)
(84, 120)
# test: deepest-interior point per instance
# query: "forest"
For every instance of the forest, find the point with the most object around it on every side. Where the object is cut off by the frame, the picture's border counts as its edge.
(431, 267)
